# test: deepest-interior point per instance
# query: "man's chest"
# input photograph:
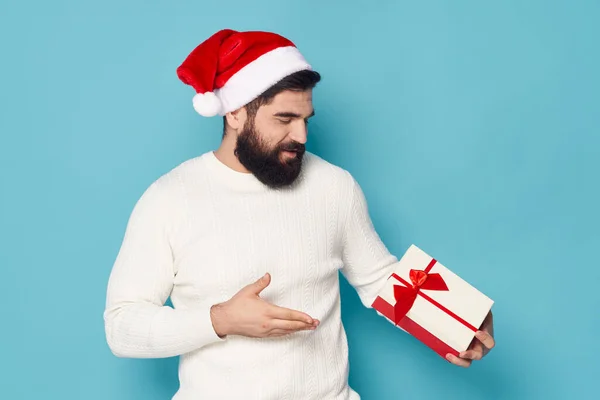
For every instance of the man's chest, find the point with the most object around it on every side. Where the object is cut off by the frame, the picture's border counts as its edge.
(230, 242)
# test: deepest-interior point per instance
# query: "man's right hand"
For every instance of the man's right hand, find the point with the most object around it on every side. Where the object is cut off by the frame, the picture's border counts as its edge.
(246, 314)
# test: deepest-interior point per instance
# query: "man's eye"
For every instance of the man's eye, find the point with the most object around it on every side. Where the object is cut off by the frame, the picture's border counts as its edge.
(285, 121)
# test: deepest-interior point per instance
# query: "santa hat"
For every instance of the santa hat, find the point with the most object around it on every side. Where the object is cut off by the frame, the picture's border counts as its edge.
(231, 68)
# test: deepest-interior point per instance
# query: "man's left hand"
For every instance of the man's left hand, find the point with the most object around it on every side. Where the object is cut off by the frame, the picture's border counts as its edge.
(481, 345)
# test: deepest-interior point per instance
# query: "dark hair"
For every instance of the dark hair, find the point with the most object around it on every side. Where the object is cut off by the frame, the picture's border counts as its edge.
(298, 81)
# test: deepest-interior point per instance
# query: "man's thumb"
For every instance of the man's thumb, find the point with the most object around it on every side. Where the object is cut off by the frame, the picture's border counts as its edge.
(261, 284)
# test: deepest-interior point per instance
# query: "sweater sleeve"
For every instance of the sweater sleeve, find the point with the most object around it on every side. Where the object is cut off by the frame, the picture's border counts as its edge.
(138, 324)
(367, 262)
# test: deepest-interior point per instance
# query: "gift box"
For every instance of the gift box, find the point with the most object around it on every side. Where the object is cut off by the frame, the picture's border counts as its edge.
(433, 304)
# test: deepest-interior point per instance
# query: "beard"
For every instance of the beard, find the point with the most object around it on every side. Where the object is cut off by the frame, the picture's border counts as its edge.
(267, 164)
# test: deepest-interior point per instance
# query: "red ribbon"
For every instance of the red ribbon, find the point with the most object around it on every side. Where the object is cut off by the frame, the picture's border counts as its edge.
(405, 296)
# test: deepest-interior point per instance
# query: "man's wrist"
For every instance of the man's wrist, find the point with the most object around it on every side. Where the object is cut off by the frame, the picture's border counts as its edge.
(217, 316)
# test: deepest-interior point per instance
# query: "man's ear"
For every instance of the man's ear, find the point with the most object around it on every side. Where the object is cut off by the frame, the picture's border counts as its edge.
(236, 119)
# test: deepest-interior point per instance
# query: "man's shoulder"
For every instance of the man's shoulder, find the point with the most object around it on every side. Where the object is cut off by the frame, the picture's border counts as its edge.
(326, 173)
(170, 185)
(189, 168)
(318, 165)
(186, 171)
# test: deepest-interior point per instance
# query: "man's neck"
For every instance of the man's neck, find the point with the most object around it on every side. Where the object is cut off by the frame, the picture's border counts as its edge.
(226, 154)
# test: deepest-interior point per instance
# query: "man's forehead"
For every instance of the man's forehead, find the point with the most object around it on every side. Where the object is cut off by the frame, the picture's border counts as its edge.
(299, 103)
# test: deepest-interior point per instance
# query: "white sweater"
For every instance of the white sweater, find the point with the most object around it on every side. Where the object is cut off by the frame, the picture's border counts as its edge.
(200, 233)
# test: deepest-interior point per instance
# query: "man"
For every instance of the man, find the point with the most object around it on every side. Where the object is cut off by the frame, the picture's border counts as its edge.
(248, 241)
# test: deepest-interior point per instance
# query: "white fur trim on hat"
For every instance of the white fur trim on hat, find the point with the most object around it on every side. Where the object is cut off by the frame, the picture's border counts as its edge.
(259, 75)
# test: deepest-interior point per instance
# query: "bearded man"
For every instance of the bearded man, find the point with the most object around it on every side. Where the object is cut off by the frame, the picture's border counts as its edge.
(248, 241)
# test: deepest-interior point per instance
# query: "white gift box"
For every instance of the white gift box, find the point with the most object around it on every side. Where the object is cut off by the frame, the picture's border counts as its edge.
(435, 305)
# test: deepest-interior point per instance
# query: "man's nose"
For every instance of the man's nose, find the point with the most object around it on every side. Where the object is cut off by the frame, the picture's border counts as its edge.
(299, 132)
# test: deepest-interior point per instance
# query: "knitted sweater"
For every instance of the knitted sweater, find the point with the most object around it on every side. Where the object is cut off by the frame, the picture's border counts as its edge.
(200, 233)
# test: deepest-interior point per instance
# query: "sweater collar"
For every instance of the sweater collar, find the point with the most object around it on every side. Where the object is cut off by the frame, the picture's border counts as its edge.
(234, 179)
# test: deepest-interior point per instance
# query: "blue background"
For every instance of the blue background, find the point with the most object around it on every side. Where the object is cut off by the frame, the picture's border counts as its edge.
(473, 129)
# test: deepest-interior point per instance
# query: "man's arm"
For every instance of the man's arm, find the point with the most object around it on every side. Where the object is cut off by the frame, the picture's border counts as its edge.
(367, 261)
(137, 322)
(368, 264)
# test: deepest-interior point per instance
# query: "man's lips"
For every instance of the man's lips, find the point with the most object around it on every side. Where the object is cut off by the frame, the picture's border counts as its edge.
(290, 153)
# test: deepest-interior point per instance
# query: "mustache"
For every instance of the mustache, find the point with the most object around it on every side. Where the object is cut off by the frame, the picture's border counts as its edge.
(293, 146)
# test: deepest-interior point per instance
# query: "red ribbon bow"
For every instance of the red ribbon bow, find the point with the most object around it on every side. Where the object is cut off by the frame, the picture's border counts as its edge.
(406, 295)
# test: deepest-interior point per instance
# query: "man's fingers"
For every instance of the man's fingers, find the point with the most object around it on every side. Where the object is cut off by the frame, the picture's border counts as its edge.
(486, 339)
(458, 361)
(276, 332)
(290, 315)
(287, 325)
(279, 332)
(259, 285)
(473, 354)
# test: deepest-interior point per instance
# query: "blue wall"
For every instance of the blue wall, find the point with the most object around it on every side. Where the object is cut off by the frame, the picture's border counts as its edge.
(473, 129)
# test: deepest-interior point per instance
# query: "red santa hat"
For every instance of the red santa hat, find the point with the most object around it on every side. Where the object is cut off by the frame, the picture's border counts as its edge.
(231, 68)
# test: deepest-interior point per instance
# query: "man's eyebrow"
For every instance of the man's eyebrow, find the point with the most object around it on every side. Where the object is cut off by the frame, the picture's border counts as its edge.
(287, 114)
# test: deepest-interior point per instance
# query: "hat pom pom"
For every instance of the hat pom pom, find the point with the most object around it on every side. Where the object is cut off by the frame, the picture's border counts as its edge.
(207, 104)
